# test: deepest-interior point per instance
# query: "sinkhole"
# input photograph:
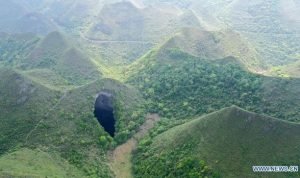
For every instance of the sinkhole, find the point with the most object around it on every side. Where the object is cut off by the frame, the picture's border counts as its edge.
(104, 112)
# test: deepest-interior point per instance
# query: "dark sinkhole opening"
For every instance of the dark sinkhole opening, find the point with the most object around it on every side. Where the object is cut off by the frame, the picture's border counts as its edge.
(104, 112)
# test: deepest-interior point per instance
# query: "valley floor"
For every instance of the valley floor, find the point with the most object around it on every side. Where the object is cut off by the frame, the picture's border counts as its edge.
(120, 157)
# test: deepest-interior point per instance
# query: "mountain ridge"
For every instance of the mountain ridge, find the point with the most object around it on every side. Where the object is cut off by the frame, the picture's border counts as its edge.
(231, 131)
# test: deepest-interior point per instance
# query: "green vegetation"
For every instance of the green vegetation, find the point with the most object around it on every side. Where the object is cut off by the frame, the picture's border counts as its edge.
(23, 103)
(55, 55)
(123, 32)
(172, 163)
(275, 49)
(36, 163)
(48, 78)
(226, 143)
(179, 59)
(270, 26)
(14, 48)
(180, 85)
(290, 70)
(214, 45)
(34, 116)
(123, 21)
(30, 118)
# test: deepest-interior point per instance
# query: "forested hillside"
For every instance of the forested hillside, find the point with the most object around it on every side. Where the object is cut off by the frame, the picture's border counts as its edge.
(181, 85)
(222, 144)
(149, 88)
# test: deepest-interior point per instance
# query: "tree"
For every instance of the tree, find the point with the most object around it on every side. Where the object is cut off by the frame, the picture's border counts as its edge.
(103, 141)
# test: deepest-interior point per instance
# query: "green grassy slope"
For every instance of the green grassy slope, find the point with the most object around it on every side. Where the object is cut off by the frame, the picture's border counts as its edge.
(54, 55)
(136, 32)
(59, 55)
(33, 116)
(20, 111)
(290, 70)
(269, 16)
(78, 106)
(293, 69)
(142, 24)
(36, 163)
(48, 78)
(180, 85)
(230, 141)
(15, 47)
(113, 20)
(271, 26)
(213, 45)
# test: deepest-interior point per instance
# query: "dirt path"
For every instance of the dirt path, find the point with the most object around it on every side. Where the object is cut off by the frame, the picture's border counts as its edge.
(120, 158)
(95, 41)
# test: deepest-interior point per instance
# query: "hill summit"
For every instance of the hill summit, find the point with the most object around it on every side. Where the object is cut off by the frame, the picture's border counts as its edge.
(230, 141)
(55, 53)
(213, 45)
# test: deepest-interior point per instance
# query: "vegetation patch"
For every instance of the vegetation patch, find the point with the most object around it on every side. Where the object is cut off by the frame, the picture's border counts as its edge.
(36, 163)
(226, 143)
(180, 85)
